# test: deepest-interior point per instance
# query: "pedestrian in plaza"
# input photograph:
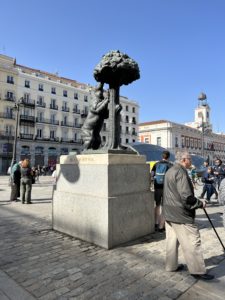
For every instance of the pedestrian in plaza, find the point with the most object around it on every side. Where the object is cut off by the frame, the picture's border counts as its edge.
(222, 198)
(26, 181)
(15, 176)
(219, 171)
(209, 180)
(158, 173)
(179, 205)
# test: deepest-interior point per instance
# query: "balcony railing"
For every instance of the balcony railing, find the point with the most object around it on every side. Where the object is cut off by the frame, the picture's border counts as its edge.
(77, 125)
(7, 116)
(68, 140)
(47, 139)
(5, 135)
(52, 106)
(25, 136)
(76, 111)
(27, 118)
(41, 104)
(10, 98)
(47, 121)
(28, 102)
(67, 124)
(84, 114)
(66, 109)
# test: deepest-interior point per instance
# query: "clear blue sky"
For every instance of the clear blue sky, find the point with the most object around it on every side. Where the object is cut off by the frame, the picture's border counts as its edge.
(178, 44)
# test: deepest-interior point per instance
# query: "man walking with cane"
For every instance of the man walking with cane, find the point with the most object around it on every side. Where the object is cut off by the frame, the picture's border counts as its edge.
(179, 205)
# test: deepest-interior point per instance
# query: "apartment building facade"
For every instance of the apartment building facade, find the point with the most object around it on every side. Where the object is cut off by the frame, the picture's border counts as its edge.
(51, 111)
(197, 137)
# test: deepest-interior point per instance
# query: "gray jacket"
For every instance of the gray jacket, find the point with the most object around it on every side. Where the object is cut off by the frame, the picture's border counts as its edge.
(179, 202)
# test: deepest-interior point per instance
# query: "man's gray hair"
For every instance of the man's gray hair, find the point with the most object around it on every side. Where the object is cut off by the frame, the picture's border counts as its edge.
(180, 155)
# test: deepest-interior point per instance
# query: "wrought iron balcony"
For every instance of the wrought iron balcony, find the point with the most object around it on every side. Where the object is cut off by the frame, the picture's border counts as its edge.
(66, 109)
(7, 116)
(84, 114)
(77, 125)
(28, 102)
(67, 124)
(41, 104)
(47, 121)
(27, 118)
(25, 136)
(10, 98)
(52, 106)
(76, 111)
(5, 135)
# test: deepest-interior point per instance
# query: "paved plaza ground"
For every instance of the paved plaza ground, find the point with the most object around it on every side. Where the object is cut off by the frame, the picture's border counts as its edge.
(39, 263)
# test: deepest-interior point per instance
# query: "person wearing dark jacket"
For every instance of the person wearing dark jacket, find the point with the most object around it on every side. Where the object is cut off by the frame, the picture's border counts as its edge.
(15, 175)
(179, 205)
(219, 171)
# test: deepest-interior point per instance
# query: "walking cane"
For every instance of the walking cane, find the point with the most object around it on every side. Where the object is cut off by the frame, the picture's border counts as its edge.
(214, 228)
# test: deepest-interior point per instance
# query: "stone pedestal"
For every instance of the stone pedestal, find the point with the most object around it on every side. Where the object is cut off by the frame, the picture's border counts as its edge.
(103, 198)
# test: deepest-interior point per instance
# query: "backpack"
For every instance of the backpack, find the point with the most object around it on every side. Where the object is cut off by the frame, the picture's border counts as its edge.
(160, 172)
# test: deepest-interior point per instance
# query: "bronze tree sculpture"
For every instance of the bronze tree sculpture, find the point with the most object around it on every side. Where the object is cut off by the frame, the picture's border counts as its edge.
(115, 69)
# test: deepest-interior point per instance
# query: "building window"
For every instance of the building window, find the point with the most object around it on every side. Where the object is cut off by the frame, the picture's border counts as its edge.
(182, 142)
(39, 133)
(64, 93)
(104, 126)
(40, 116)
(127, 141)
(65, 120)
(133, 120)
(40, 100)
(127, 130)
(9, 130)
(196, 143)
(9, 96)
(127, 108)
(41, 87)
(103, 139)
(53, 90)
(176, 142)
(26, 97)
(133, 109)
(76, 96)
(52, 118)
(10, 79)
(27, 83)
(158, 141)
(85, 98)
(127, 119)
(52, 134)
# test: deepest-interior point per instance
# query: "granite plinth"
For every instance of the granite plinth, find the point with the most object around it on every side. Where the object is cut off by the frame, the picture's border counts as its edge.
(103, 198)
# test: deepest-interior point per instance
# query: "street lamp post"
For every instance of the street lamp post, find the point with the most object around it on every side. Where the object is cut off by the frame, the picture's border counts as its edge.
(203, 135)
(17, 108)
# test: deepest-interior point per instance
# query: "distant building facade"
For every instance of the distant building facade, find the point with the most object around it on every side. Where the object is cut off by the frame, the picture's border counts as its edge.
(197, 137)
(51, 115)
